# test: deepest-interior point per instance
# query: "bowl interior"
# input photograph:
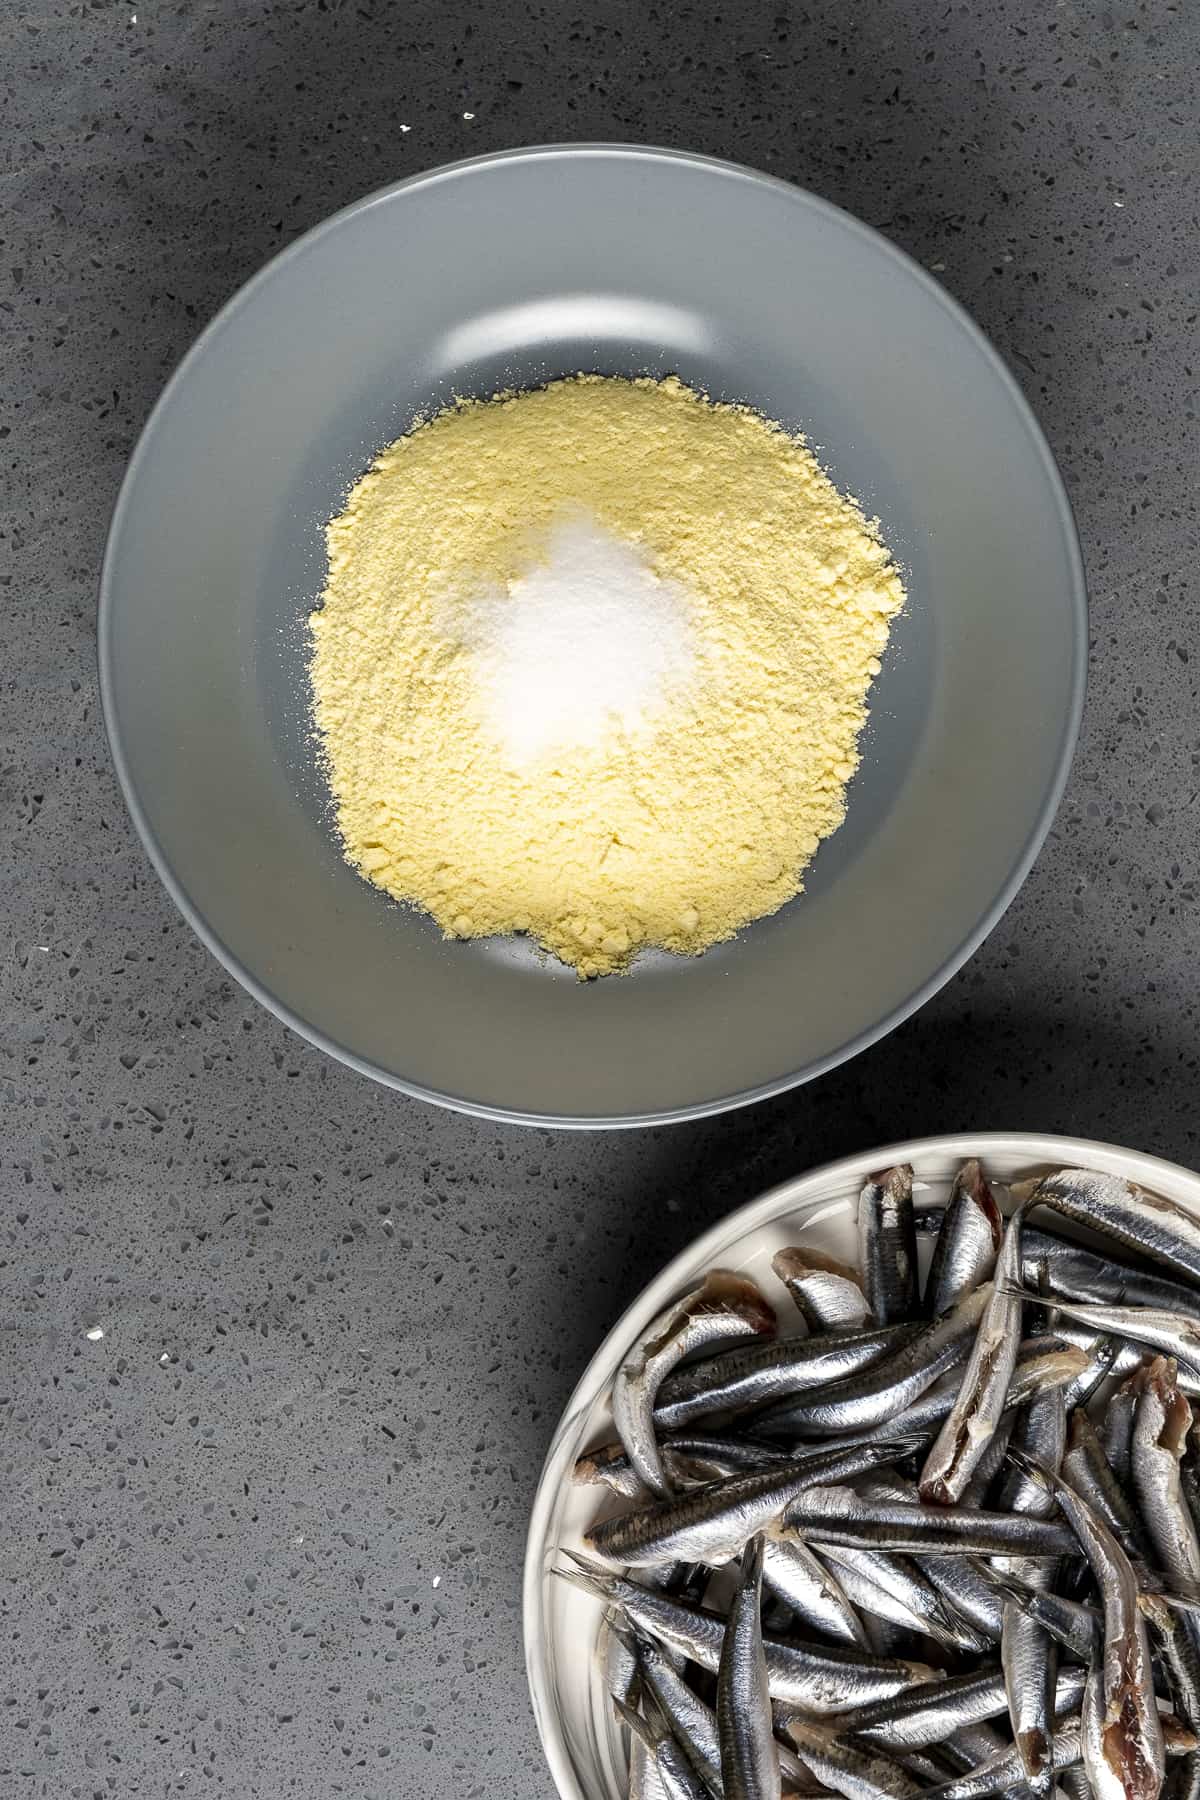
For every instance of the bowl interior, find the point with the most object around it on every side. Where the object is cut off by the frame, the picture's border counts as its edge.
(562, 1626)
(507, 272)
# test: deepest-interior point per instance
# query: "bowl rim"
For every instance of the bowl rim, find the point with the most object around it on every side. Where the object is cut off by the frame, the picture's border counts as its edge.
(713, 1104)
(797, 1190)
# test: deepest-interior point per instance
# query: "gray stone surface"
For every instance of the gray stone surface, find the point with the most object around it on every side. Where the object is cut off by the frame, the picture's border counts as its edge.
(263, 1537)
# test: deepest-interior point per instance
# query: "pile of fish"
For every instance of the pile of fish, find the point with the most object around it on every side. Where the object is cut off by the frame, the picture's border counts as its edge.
(924, 1542)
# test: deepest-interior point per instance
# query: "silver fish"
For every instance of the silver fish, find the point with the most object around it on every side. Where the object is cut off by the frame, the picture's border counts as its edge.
(1004, 1769)
(711, 1524)
(680, 1781)
(968, 1242)
(1087, 1468)
(688, 1457)
(755, 1374)
(838, 1515)
(725, 1306)
(1078, 1273)
(749, 1763)
(692, 1723)
(1028, 1653)
(914, 1720)
(894, 1588)
(1160, 1428)
(1117, 1431)
(814, 1678)
(1180, 1656)
(1076, 1626)
(979, 1408)
(950, 1600)
(828, 1294)
(1171, 1334)
(887, 1245)
(1123, 1740)
(1103, 1355)
(798, 1577)
(850, 1769)
(884, 1389)
(1119, 1209)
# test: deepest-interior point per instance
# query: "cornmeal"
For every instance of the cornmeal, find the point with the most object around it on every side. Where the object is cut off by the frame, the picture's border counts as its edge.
(677, 832)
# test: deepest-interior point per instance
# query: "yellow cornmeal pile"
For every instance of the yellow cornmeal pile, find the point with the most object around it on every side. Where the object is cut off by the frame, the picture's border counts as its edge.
(675, 834)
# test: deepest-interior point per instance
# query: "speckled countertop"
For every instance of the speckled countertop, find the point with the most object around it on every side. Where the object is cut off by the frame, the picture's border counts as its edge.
(263, 1536)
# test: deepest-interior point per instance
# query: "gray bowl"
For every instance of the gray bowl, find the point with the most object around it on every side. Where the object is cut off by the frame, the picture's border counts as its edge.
(505, 271)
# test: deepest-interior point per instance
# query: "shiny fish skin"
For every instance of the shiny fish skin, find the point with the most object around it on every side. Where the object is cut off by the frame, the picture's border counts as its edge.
(749, 1763)
(969, 1613)
(887, 1245)
(690, 1459)
(679, 1780)
(1176, 1640)
(838, 1515)
(1161, 1424)
(814, 1678)
(964, 1255)
(724, 1307)
(1028, 1653)
(1117, 1431)
(916, 1719)
(852, 1770)
(1079, 1273)
(979, 1407)
(893, 1588)
(737, 1380)
(1171, 1334)
(1078, 1628)
(711, 1524)
(1102, 1358)
(1004, 1769)
(798, 1577)
(1123, 1743)
(827, 1294)
(1086, 1467)
(1119, 1209)
(693, 1724)
(883, 1390)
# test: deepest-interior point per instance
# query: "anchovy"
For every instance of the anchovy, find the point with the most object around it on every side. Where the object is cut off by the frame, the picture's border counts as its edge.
(850, 1769)
(753, 1375)
(1103, 1355)
(1171, 1334)
(881, 1391)
(1076, 1626)
(798, 1577)
(828, 1294)
(1078, 1273)
(892, 1587)
(688, 1457)
(1117, 1430)
(723, 1307)
(711, 1524)
(1028, 1653)
(887, 1245)
(914, 1720)
(837, 1515)
(980, 1405)
(971, 1608)
(692, 1723)
(1087, 1468)
(968, 1242)
(1119, 1209)
(749, 1764)
(815, 1678)
(1004, 1769)
(1177, 1647)
(1123, 1740)
(1161, 1424)
(679, 1779)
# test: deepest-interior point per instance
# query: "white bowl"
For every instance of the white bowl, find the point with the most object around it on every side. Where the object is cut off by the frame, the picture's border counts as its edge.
(574, 1717)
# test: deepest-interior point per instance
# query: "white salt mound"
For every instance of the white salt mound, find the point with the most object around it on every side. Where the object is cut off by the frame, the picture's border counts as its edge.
(590, 644)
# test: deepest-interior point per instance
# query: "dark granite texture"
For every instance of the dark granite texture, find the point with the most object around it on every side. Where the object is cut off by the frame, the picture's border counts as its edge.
(338, 1325)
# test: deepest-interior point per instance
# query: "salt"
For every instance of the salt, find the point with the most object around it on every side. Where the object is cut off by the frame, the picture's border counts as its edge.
(592, 644)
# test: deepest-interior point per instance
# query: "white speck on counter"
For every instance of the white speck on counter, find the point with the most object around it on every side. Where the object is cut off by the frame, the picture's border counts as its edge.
(94, 1333)
(468, 115)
